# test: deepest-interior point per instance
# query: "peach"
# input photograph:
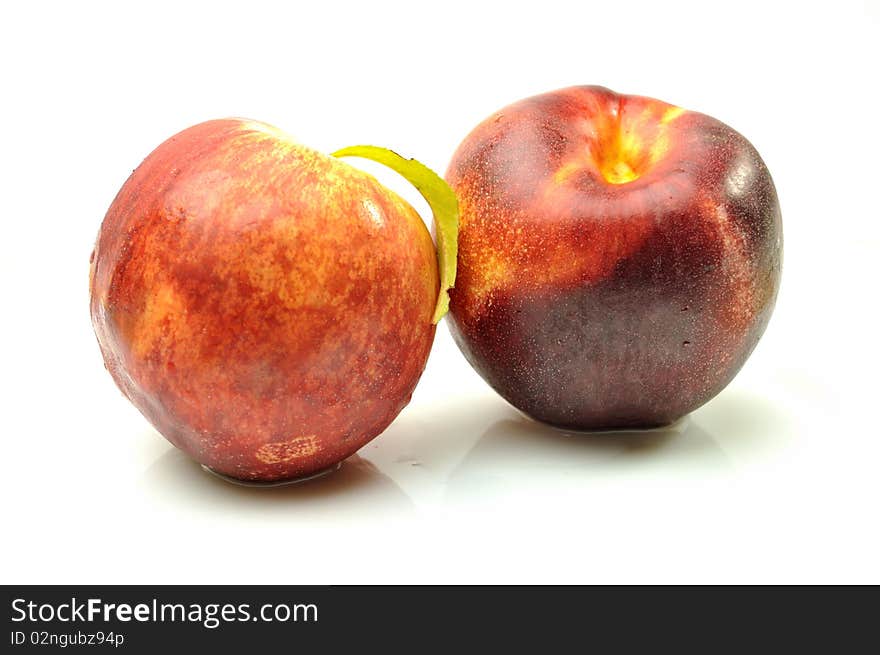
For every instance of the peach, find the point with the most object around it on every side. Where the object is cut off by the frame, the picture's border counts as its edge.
(619, 257)
(268, 308)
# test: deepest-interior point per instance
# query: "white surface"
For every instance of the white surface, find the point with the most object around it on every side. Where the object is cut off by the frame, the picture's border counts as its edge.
(776, 480)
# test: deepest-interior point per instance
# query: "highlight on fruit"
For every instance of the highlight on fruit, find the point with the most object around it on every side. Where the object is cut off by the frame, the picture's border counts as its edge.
(619, 257)
(268, 308)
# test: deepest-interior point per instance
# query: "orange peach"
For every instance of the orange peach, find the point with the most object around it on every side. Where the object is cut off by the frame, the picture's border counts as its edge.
(268, 308)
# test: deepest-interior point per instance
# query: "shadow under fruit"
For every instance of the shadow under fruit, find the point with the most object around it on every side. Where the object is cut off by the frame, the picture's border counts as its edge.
(619, 257)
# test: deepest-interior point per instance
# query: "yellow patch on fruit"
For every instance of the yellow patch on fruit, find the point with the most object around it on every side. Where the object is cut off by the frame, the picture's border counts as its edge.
(626, 147)
(162, 313)
(566, 171)
(280, 452)
(671, 114)
(492, 272)
(618, 171)
(616, 148)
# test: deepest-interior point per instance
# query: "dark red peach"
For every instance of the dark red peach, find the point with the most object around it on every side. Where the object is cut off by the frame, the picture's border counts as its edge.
(619, 257)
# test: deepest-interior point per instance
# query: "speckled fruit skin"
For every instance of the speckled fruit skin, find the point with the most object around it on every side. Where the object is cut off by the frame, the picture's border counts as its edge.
(268, 308)
(619, 257)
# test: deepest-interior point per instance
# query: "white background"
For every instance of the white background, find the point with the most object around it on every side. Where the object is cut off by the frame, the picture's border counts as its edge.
(775, 480)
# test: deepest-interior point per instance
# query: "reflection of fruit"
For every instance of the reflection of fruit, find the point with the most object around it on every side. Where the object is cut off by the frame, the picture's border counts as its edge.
(268, 308)
(619, 257)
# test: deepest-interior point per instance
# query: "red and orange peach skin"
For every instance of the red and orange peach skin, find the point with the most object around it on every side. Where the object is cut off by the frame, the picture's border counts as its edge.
(267, 307)
(619, 257)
